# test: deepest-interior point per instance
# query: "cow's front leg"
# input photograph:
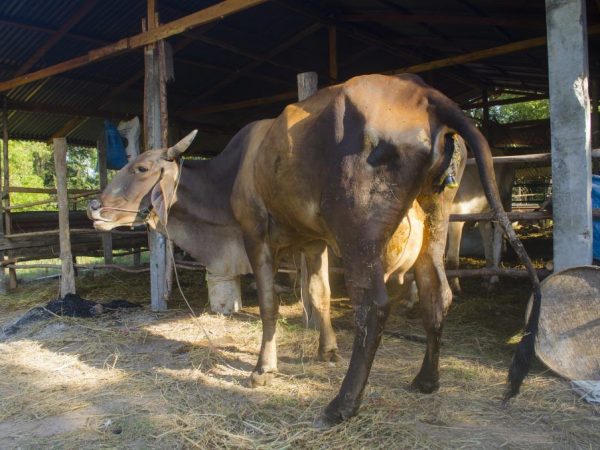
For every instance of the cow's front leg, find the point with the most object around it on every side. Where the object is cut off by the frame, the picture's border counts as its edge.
(371, 312)
(319, 294)
(261, 259)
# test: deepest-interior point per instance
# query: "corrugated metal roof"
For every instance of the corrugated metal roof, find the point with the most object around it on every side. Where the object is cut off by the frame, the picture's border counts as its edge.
(218, 51)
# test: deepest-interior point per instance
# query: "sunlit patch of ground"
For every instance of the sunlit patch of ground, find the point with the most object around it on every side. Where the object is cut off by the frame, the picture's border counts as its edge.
(137, 379)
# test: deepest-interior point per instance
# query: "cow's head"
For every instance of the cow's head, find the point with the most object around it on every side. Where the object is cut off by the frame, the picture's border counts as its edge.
(147, 183)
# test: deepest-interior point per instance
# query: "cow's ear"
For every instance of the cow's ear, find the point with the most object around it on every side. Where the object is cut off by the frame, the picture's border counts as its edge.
(181, 146)
(383, 153)
(162, 196)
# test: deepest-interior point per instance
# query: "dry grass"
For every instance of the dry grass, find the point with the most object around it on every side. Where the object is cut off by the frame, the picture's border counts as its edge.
(136, 379)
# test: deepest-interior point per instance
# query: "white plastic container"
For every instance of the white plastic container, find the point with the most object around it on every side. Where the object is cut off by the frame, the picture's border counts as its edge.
(224, 293)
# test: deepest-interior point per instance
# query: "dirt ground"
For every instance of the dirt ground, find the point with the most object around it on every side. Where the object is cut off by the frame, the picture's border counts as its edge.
(136, 379)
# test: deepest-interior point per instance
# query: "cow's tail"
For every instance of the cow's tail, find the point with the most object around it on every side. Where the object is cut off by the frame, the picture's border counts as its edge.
(450, 114)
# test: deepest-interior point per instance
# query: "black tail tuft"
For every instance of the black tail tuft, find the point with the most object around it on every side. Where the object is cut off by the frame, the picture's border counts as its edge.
(522, 358)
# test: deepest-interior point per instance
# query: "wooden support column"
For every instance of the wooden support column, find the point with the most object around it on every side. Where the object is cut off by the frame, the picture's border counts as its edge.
(307, 86)
(486, 114)
(11, 282)
(570, 132)
(333, 59)
(67, 278)
(3, 279)
(155, 137)
(107, 247)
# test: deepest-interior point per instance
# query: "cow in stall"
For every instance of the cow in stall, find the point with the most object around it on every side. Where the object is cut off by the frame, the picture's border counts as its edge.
(362, 167)
(344, 168)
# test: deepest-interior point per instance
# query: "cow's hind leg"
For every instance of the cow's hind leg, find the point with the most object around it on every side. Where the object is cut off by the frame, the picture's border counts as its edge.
(455, 230)
(435, 297)
(319, 293)
(434, 292)
(371, 311)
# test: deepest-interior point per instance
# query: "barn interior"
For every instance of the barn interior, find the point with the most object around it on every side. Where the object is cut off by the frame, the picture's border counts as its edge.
(229, 70)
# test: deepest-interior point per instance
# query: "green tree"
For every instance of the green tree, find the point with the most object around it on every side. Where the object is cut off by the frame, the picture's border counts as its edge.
(31, 165)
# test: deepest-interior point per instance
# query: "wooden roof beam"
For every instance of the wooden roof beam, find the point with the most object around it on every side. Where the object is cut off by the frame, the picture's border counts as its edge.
(207, 15)
(71, 21)
(397, 17)
(480, 54)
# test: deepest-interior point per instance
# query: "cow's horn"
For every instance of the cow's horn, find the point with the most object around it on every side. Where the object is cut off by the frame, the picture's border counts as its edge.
(182, 145)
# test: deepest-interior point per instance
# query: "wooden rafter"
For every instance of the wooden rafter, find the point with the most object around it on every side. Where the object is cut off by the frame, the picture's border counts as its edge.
(388, 16)
(207, 15)
(260, 59)
(71, 21)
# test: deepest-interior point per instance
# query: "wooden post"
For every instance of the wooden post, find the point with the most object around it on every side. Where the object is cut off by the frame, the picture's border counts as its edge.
(570, 125)
(307, 86)
(7, 225)
(3, 279)
(155, 137)
(486, 114)
(106, 237)
(67, 279)
(333, 60)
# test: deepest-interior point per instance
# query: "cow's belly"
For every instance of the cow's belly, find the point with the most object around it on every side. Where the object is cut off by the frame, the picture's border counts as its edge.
(405, 244)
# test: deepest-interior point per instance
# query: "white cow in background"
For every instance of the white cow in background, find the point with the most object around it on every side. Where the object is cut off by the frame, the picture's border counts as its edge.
(470, 199)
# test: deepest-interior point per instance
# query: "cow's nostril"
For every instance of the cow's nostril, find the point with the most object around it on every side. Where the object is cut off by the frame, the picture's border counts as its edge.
(94, 205)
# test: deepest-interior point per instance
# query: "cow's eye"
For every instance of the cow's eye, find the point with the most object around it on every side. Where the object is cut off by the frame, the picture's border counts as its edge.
(141, 169)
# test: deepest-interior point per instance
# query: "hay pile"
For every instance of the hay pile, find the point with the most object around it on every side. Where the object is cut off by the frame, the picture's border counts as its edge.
(136, 379)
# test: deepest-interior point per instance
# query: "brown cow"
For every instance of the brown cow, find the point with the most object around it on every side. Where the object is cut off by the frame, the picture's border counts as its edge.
(344, 168)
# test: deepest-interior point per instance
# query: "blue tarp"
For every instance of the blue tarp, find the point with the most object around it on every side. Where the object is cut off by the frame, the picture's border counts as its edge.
(596, 204)
(115, 151)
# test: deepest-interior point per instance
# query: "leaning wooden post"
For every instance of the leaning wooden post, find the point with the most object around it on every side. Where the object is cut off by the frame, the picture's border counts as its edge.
(107, 246)
(155, 137)
(307, 86)
(568, 74)
(67, 279)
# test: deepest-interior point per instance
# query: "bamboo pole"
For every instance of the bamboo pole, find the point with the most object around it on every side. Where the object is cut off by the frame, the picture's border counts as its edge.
(67, 279)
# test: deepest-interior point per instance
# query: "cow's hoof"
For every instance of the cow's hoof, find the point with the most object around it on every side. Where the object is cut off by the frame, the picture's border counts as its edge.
(261, 379)
(425, 386)
(336, 412)
(328, 355)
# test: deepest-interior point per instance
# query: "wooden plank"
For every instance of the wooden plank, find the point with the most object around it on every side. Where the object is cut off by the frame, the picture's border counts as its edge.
(67, 279)
(210, 14)
(479, 55)
(69, 23)
(30, 190)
